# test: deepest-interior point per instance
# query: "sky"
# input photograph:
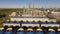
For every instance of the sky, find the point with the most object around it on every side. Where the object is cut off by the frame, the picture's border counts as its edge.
(24, 3)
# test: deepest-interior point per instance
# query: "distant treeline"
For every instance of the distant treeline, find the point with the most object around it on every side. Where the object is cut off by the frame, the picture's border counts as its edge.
(8, 11)
(2, 16)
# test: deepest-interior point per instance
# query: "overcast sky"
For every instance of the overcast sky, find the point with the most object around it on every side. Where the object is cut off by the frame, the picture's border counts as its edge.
(22, 3)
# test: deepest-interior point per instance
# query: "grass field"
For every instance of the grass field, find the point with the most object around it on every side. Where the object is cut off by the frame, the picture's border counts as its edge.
(1, 25)
(7, 12)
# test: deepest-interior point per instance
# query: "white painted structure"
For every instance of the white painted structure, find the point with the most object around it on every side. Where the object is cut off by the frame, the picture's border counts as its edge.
(39, 29)
(1, 28)
(13, 14)
(11, 24)
(32, 25)
(56, 14)
(26, 15)
(29, 19)
(52, 30)
(52, 20)
(20, 29)
(52, 25)
(9, 29)
(58, 29)
(29, 29)
(33, 19)
(48, 10)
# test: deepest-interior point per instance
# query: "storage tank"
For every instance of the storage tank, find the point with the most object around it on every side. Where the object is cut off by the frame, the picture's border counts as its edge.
(30, 31)
(51, 31)
(39, 31)
(58, 31)
(9, 31)
(20, 31)
(1, 30)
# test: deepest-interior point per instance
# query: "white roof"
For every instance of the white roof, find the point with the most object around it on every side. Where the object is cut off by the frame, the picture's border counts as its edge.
(29, 29)
(52, 25)
(55, 12)
(51, 30)
(58, 29)
(26, 15)
(39, 29)
(7, 20)
(21, 29)
(1, 28)
(9, 29)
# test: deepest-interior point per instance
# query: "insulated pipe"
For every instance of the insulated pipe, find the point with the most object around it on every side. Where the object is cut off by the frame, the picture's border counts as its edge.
(21, 23)
(39, 23)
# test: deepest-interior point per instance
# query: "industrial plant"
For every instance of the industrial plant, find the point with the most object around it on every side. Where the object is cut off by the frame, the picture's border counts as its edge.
(31, 20)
